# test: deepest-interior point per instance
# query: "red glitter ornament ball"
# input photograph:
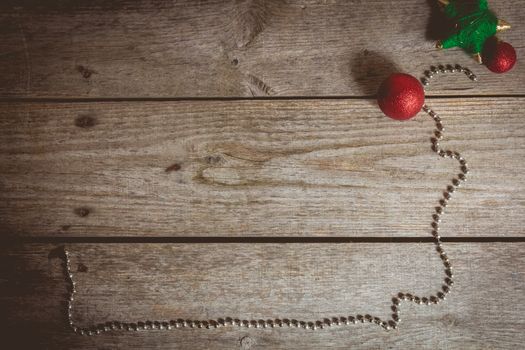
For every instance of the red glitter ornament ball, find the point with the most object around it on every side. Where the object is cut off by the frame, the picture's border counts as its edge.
(401, 96)
(499, 56)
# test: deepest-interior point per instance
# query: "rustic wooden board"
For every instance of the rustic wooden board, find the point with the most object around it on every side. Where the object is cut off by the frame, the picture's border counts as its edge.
(231, 48)
(262, 168)
(484, 310)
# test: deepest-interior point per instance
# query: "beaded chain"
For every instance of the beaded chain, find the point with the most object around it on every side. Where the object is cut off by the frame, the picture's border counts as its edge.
(326, 322)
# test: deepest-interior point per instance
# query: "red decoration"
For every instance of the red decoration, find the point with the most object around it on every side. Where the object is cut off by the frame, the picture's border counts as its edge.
(401, 96)
(499, 56)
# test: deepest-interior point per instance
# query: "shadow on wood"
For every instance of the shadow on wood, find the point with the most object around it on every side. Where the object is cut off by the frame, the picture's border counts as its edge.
(369, 69)
(439, 26)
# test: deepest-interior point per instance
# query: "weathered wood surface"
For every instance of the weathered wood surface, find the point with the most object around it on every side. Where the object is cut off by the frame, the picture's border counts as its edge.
(231, 48)
(484, 311)
(269, 167)
(224, 168)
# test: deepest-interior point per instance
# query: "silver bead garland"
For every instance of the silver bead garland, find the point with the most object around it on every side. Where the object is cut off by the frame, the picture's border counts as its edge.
(386, 324)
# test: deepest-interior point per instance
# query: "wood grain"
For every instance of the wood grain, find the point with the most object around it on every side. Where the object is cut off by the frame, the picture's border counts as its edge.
(485, 309)
(126, 147)
(232, 48)
(242, 168)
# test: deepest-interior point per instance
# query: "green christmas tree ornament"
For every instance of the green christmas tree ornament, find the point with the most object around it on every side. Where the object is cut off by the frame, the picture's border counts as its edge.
(474, 24)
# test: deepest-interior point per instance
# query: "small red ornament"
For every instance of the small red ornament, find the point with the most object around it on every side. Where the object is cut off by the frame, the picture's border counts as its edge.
(499, 56)
(401, 96)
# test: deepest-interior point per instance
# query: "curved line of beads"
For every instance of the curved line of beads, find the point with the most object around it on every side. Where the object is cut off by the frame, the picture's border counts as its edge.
(447, 194)
(441, 69)
(208, 324)
(327, 322)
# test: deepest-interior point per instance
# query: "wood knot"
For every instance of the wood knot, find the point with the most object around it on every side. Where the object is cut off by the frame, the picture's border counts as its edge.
(258, 87)
(450, 320)
(213, 159)
(82, 211)
(86, 72)
(249, 18)
(82, 268)
(85, 121)
(174, 167)
(247, 342)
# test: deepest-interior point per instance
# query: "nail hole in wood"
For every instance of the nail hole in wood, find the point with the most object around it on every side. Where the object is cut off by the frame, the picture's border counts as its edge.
(86, 72)
(82, 212)
(85, 121)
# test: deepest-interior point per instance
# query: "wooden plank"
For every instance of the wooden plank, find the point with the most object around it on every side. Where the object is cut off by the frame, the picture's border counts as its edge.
(152, 281)
(224, 168)
(232, 48)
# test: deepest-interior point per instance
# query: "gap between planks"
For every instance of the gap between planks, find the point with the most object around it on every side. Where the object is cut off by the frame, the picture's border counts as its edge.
(262, 240)
(234, 98)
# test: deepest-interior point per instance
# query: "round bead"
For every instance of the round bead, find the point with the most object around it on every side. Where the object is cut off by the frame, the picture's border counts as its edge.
(401, 96)
(499, 56)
